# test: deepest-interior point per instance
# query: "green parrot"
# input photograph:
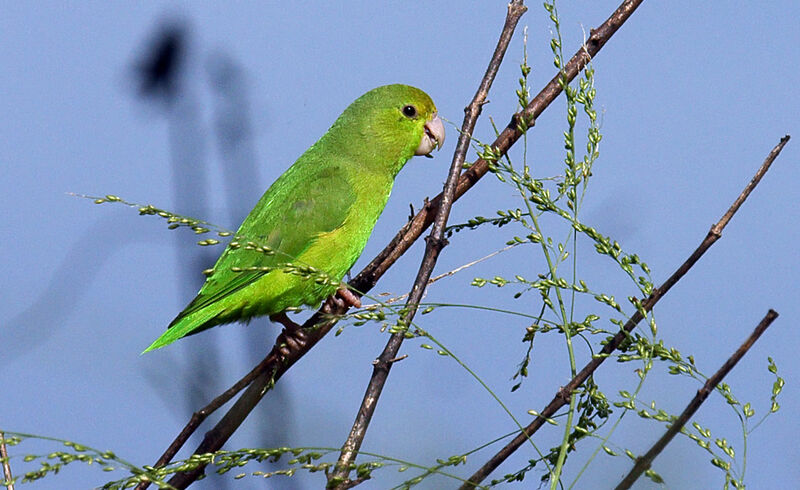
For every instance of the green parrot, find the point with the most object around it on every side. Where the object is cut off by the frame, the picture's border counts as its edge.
(318, 214)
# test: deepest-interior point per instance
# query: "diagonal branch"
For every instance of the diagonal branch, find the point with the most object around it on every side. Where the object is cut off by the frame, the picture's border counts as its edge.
(643, 463)
(199, 416)
(367, 278)
(290, 347)
(563, 395)
(433, 247)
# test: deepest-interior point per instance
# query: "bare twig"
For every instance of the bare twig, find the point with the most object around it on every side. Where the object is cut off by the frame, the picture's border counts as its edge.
(284, 354)
(562, 397)
(289, 347)
(367, 278)
(199, 416)
(643, 462)
(6, 464)
(433, 247)
(453, 272)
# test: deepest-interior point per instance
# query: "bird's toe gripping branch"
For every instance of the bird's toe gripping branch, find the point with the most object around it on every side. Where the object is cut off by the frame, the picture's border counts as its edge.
(344, 298)
(350, 299)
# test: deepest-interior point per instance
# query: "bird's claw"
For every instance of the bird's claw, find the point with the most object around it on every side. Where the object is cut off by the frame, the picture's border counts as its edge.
(349, 298)
(344, 298)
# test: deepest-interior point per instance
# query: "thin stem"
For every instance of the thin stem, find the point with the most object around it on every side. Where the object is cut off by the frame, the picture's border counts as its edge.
(6, 464)
(605, 439)
(456, 270)
(556, 471)
(284, 354)
(434, 245)
(643, 462)
(563, 394)
(199, 416)
(487, 388)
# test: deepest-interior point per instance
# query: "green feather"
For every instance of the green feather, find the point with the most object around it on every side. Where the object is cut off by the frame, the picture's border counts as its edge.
(319, 213)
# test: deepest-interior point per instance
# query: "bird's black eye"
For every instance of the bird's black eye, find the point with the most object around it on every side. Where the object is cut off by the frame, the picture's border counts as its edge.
(409, 111)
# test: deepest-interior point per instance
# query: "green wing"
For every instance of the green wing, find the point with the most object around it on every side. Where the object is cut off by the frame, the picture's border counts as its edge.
(305, 202)
(285, 223)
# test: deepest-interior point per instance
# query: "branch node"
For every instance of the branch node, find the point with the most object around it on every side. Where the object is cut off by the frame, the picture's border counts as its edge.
(397, 359)
(437, 243)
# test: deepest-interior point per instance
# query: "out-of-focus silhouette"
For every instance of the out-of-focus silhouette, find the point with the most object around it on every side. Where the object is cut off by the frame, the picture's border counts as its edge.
(163, 75)
(161, 63)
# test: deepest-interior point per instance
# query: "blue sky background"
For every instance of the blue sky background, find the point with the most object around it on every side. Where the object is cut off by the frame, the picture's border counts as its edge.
(692, 94)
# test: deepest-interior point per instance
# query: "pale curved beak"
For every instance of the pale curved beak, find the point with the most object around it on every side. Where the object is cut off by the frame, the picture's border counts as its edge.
(433, 137)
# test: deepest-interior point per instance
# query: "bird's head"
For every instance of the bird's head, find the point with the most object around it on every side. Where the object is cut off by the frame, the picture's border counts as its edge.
(397, 121)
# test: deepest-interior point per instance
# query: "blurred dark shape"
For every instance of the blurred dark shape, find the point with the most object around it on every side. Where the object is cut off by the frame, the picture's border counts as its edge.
(234, 135)
(163, 74)
(232, 121)
(160, 65)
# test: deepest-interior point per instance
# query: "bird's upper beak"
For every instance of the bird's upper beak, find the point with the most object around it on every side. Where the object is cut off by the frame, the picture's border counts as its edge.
(433, 137)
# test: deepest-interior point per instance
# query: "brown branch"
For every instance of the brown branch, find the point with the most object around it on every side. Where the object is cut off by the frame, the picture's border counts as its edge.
(367, 278)
(199, 416)
(433, 247)
(276, 364)
(643, 462)
(562, 397)
(6, 464)
(288, 349)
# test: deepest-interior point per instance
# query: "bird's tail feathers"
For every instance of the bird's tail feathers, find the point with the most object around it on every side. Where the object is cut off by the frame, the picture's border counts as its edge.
(188, 324)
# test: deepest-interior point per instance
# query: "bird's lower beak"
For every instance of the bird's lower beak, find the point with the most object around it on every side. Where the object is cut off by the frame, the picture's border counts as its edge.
(433, 137)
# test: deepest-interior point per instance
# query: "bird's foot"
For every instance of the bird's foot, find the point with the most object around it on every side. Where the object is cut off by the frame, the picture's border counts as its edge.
(284, 320)
(293, 340)
(349, 297)
(344, 298)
